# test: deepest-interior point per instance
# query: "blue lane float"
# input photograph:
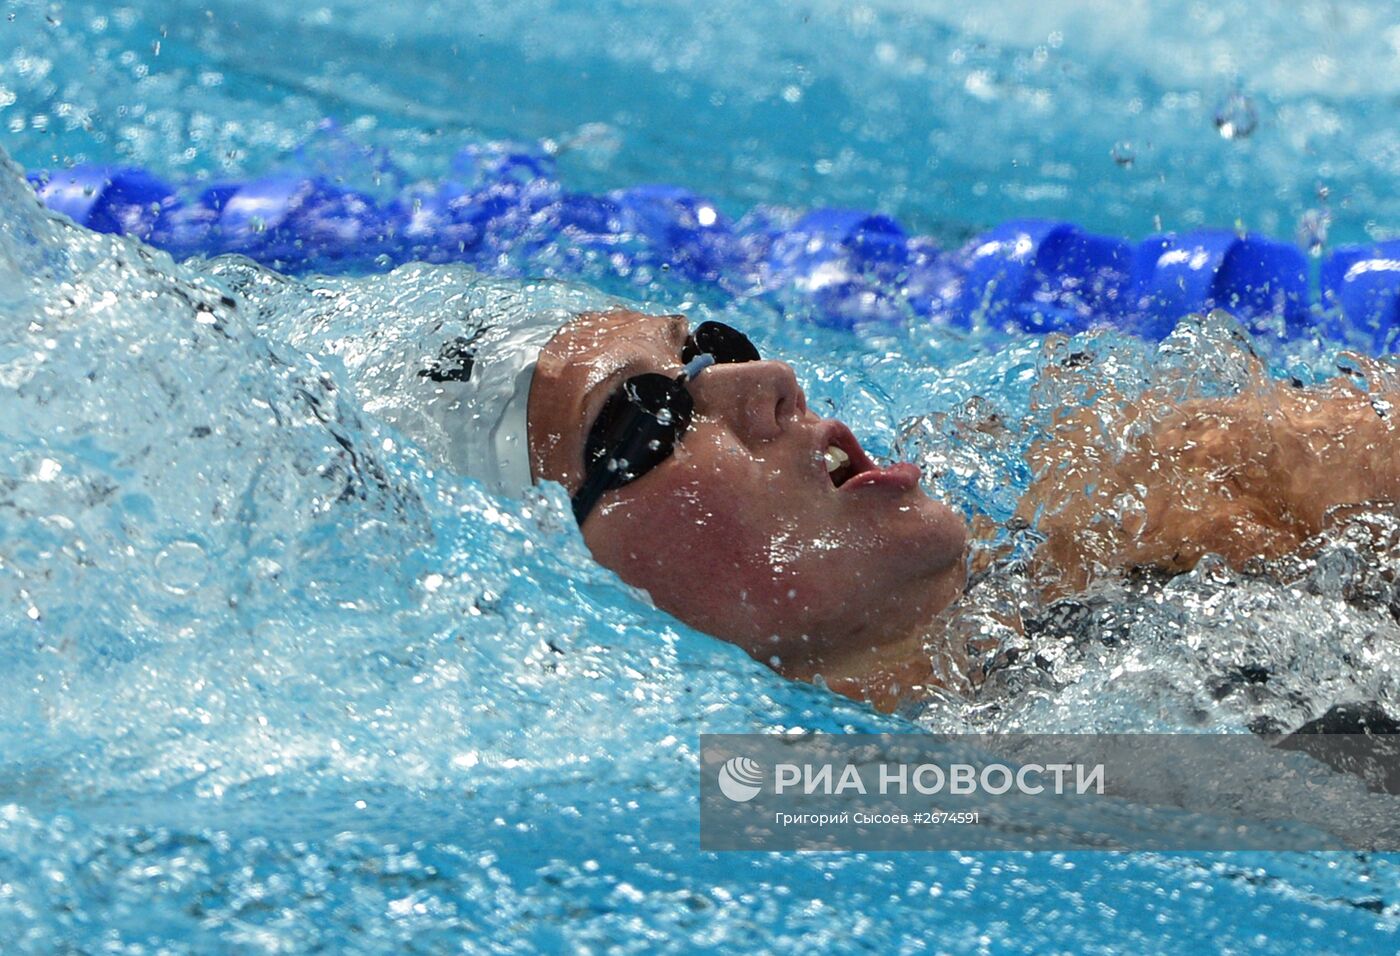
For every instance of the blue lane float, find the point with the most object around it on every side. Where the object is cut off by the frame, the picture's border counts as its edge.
(1255, 278)
(1361, 292)
(845, 262)
(840, 267)
(1044, 276)
(125, 200)
(684, 231)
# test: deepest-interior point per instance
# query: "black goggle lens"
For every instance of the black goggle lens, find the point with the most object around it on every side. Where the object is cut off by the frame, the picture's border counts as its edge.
(654, 407)
(639, 425)
(727, 344)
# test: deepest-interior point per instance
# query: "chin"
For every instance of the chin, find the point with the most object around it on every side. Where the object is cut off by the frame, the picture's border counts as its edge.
(953, 532)
(934, 532)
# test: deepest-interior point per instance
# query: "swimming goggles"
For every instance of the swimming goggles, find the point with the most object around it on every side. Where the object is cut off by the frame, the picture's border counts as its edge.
(639, 425)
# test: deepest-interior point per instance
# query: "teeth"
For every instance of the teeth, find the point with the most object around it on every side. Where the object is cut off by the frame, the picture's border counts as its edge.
(836, 459)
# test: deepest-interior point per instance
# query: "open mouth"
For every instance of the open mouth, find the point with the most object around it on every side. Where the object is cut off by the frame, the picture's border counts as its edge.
(842, 455)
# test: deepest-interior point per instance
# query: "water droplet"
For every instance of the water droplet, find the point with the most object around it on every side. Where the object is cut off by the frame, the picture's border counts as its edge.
(1312, 230)
(1236, 117)
(181, 566)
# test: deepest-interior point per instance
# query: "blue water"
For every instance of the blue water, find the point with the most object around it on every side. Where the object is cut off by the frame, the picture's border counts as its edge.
(271, 683)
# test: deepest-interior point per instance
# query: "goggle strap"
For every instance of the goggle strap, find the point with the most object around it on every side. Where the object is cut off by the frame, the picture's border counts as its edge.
(593, 488)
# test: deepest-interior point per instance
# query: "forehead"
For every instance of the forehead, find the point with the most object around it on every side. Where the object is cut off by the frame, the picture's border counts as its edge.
(585, 354)
(597, 345)
(595, 336)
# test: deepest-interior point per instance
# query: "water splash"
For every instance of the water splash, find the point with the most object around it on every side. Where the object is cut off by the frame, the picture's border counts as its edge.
(944, 118)
(1267, 646)
(271, 682)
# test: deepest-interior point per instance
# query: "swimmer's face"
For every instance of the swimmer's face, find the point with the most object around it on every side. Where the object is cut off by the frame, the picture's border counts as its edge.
(742, 532)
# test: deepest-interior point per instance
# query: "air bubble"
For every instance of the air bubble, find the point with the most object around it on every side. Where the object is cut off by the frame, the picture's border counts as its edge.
(181, 567)
(1236, 117)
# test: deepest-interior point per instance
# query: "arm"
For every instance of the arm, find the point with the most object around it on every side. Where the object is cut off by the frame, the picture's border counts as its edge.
(1159, 483)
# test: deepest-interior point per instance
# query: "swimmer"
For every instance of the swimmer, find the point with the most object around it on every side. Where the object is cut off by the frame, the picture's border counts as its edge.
(699, 474)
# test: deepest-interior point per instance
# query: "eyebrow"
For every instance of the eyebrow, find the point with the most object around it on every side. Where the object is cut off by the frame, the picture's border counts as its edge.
(597, 396)
(678, 329)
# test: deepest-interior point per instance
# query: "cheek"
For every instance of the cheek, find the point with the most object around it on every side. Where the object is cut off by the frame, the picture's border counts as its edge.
(704, 542)
(686, 536)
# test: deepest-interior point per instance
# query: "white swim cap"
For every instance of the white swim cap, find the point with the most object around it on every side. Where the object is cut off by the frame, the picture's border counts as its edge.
(476, 392)
(464, 392)
(444, 355)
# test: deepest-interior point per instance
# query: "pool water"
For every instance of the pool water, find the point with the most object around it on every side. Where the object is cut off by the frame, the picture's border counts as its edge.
(273, 683)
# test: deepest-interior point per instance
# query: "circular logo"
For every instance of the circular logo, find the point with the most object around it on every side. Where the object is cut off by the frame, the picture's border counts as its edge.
(740, 779)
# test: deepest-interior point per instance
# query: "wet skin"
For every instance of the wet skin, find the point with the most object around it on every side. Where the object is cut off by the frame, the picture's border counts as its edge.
(1256, 474)
(742, 533)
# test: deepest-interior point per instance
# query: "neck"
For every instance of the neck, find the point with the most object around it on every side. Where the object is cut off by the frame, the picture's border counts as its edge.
(894, 657)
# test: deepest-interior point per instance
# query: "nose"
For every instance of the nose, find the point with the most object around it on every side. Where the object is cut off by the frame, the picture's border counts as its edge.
(759, 400)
